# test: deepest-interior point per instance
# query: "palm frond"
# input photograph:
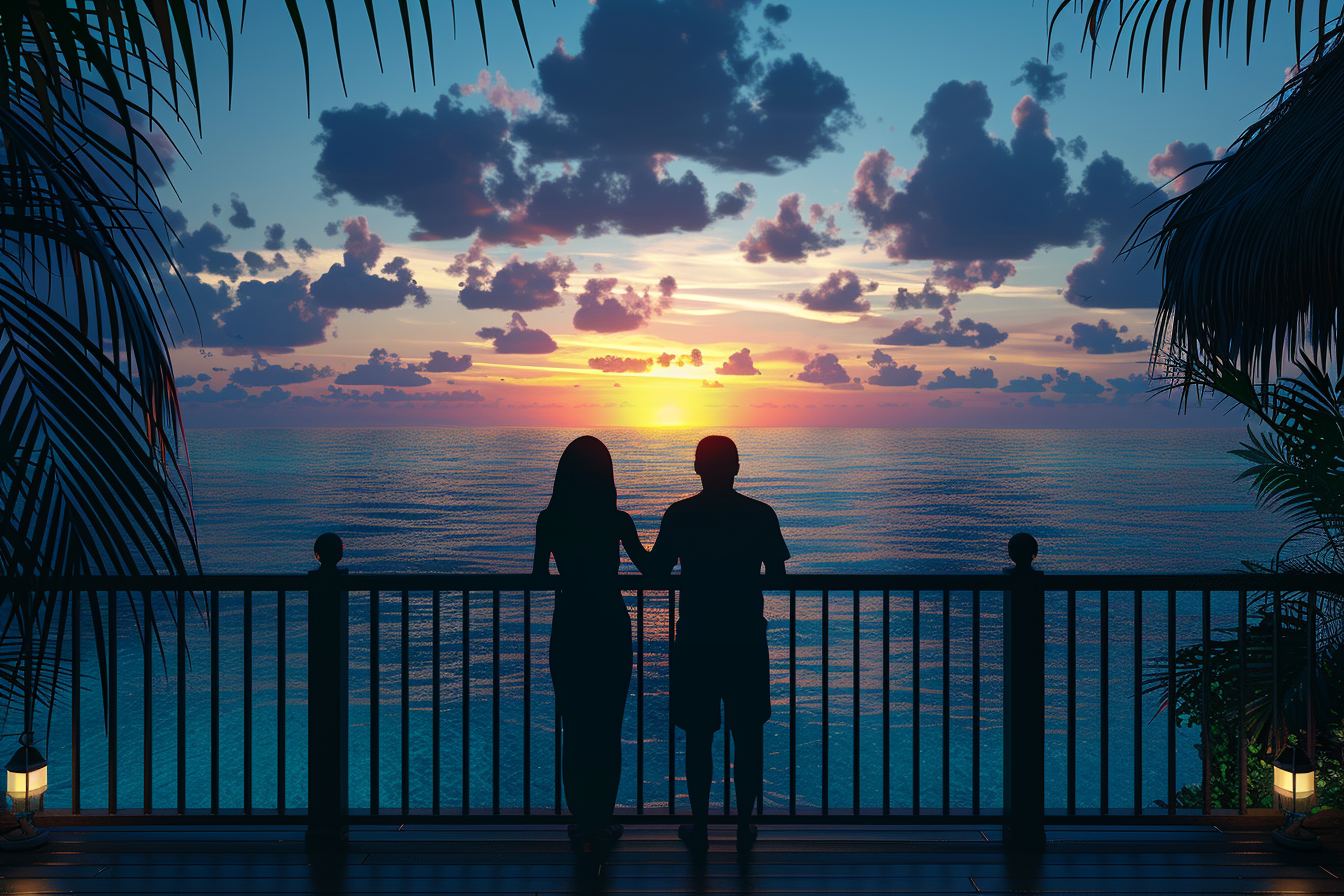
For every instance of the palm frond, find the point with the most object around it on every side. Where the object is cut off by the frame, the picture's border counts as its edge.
(1143, 18)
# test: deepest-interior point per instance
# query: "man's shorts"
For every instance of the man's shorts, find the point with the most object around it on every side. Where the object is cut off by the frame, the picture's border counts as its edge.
(703, 676)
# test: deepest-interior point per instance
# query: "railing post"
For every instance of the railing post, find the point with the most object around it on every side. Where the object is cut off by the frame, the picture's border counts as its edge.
(328, 698)
(1024, 701)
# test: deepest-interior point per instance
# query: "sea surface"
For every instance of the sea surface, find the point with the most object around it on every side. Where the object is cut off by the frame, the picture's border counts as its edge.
(870, 500)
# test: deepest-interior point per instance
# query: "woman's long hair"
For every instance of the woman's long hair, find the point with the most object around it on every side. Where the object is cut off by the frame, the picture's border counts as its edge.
(585, 480)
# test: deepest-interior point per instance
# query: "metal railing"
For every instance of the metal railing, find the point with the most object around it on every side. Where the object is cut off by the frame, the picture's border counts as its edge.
(890, 697)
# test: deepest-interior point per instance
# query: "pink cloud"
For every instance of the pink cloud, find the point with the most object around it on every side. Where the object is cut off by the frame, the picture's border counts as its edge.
(500, 95)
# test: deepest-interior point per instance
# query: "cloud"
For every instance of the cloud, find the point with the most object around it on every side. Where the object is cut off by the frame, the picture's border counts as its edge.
(613, 364)
(824, 370)
(889, 373)
(1104, 339)
(382, 369)
(272, 395)
(840, 291)
(352, 284)
(275, 237)
(240, 218)
(518, 338)
(517, 286)
(208, 395)
(601, 311)
(708, 385)
(943, 402)
(966, 333)
(304, 248)
(442, 362)
(788, 237)
(392, 395)
(1077, 388)
(263, 373)
(963, 276)
(1116, 201)
(972, 196)
(736, 203)
(615, 114)
(978, 378)
(739, 363)
(182, 382)
(1026, 384)
(1166, 166)
(273, 317)
(796, 355)
(1041, 80)
(1040, 401)
(696, 359)
(777, 13)
(499, 94)
(202, 250)
(1128, 387)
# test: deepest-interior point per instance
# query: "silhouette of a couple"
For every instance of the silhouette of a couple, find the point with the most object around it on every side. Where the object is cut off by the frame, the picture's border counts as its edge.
(721, 539)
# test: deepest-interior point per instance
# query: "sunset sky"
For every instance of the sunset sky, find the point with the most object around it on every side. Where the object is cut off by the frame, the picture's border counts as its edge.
(813, 213)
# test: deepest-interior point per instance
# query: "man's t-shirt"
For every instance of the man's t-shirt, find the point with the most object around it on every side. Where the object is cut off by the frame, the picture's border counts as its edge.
(721, 539)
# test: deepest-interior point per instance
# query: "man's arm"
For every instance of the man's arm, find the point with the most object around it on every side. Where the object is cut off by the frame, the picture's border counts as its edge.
(664, 556)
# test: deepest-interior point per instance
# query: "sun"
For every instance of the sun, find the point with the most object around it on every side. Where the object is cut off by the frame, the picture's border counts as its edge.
(671, 415)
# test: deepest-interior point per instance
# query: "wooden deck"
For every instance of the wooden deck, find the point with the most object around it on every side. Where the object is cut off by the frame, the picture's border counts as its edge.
(519, 859)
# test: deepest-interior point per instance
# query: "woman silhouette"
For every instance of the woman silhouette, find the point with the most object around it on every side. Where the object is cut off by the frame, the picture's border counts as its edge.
(590, 651)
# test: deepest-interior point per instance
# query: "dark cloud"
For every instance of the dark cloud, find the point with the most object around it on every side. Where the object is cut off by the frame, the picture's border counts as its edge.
(432, 166)
(1104, 339)
(840, 291)
(202, 251)
(338, 396)
(674, 77)
(796, 355)
(273, 317)
(517, 286)
(382, 369)
(973, 196)
(1167, 166)
(353, 285)
(205, 377)
(965, 333)
(1077, 148)
(963, 276)
(696, 359)
(736, 203)
(1128, 387)
(738, 364)
(824, 370)
(272, 395)
(1057, 51)
(787, 237)
(255, 263)
(183, 382)
(613, 364)
(1026, 384)
(442, 362)
(304, 248)
(1040, 401)
(275, 237)
(978, 378)
(208, 395)
(943, 402)
(518, 338)
(655, 81)
(1041, 80)
(1077, 388)
(263, 373)
(601, 311)
(215, 209)
(331, 228)
(889, 373)
(1116, 202)
(240, 218)
(777, 13)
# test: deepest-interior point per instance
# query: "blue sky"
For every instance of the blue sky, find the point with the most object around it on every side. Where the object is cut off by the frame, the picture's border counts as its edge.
(839, 351)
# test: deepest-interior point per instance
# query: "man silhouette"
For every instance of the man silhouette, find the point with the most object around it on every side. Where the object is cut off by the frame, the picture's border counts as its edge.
(721, 538)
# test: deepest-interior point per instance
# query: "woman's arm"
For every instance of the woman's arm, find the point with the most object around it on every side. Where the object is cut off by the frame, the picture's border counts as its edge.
(541, 557)
(634, 548)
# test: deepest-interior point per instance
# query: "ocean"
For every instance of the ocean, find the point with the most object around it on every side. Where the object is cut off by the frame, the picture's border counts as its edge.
(849, 501)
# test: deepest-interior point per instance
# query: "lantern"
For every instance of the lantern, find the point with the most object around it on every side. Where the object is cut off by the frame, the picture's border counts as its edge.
(26, 777)
(1295, 794)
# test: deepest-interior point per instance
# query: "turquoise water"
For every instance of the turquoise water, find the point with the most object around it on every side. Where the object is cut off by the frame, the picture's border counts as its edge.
(848, 501)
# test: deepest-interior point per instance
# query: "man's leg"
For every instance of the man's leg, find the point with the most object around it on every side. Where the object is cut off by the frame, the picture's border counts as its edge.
(748, 770)
(699, 770)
